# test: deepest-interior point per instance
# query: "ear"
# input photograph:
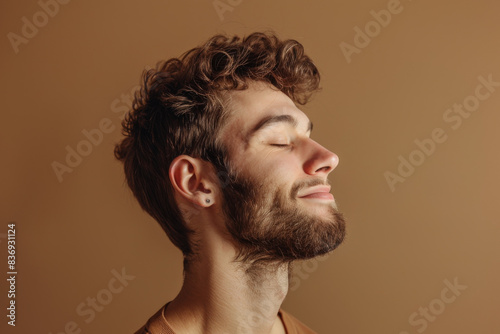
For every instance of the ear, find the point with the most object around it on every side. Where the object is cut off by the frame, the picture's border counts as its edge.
(190, 178)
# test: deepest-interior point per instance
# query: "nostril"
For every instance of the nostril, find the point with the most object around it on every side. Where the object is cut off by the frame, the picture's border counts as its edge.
(324, 169)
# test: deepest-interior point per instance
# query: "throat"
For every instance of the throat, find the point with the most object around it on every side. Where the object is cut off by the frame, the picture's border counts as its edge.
(245, 299)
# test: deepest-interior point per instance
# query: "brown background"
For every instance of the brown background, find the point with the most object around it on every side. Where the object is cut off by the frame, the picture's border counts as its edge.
(440, 224)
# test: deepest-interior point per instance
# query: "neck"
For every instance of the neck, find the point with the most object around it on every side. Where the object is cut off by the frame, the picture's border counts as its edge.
(222, 296)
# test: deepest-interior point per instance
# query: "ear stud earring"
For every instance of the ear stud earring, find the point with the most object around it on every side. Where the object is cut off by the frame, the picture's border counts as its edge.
(207, 200)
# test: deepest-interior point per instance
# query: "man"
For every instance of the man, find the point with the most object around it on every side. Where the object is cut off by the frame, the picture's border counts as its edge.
(217, 151)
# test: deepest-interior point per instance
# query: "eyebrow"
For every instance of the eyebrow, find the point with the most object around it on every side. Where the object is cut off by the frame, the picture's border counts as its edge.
(272, 119)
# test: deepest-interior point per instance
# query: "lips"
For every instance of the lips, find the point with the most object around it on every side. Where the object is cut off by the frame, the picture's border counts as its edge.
(320, 192)
(319, 195)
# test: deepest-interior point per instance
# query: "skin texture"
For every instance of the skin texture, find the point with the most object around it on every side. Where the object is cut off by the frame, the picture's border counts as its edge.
(243, 270)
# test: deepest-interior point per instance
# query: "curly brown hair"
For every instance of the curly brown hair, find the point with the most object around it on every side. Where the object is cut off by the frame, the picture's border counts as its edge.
(180, 109)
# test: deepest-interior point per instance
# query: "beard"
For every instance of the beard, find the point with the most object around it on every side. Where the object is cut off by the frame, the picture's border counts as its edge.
(269, 225)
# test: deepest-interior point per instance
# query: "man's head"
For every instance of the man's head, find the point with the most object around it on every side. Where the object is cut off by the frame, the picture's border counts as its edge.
(231, 105)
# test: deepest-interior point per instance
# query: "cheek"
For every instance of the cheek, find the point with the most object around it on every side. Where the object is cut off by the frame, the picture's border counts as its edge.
(281, 172)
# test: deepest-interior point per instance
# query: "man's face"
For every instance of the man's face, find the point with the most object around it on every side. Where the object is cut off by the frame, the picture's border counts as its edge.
(276, 199)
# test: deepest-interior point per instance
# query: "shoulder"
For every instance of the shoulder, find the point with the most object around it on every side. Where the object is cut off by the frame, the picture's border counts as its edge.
(157, 324)
(294, 325)
(143, 330)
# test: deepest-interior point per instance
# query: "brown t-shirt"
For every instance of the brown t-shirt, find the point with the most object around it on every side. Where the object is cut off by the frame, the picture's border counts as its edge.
(157, 324)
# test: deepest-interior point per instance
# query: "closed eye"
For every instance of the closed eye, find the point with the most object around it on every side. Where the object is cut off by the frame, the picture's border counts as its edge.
(280, 145)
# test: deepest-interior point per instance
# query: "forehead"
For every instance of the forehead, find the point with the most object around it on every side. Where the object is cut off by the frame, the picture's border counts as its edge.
(249, 107)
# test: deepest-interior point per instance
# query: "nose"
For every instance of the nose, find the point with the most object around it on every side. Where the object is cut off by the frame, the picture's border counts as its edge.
(319, 161)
